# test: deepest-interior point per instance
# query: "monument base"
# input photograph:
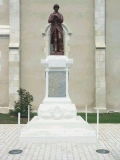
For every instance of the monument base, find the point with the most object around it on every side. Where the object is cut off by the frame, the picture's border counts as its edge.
(57, 111)
(57, 120)
(57, 53)
(54, 131)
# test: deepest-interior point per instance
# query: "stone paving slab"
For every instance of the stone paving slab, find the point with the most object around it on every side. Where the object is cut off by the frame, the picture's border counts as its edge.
(109, 138)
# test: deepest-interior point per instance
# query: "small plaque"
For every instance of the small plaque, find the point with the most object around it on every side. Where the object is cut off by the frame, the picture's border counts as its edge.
(57, 84)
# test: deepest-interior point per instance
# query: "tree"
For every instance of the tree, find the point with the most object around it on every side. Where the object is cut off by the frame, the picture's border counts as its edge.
(21, 105)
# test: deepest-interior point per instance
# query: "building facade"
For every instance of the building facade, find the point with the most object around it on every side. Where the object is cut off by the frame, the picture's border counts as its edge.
(94, 44)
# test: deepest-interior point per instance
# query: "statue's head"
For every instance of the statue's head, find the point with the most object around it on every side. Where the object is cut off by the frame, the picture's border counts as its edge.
(56, 7)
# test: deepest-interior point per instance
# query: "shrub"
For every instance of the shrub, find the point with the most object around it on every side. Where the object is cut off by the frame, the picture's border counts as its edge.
(21, 105)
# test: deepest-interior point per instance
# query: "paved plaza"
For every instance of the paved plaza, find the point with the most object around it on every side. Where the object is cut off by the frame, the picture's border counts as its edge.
(109, 139)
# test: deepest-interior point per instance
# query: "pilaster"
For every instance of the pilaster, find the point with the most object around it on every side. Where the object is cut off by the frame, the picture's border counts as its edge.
(100, 75)
(14, 52)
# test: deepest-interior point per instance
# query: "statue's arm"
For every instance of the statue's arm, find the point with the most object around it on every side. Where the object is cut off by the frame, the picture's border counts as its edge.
(51, 19)
(60, 18)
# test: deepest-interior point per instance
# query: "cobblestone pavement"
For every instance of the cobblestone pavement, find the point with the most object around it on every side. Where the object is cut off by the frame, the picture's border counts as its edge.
(109, 138)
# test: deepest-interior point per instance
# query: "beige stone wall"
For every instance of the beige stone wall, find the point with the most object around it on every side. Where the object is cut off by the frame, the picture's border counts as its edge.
(79, 17)
(113, 54)
(4, 12)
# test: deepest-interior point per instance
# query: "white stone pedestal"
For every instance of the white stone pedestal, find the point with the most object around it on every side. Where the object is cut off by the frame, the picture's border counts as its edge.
(57, 120)
(57, 104)
(49, 131)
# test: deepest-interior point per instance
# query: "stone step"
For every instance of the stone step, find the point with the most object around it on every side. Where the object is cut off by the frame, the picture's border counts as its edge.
(73, 131)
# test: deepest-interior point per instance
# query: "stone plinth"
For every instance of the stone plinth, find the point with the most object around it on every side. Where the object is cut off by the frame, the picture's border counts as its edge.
(57, 104)
(58, 131)
(57, 119)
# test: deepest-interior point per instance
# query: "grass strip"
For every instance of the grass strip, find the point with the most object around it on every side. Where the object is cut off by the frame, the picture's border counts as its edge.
(92, 118)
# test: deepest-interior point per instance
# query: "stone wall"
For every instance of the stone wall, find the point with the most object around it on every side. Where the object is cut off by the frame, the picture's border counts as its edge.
(113, 54)
(4, 12)
(94, 40)
(79, 17)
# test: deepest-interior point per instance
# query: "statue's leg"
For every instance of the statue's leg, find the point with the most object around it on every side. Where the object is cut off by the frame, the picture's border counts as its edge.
(55, 41)
(60, 42)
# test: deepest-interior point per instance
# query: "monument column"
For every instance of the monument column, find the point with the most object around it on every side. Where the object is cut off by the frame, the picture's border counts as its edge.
(100, 75)
(14, 56)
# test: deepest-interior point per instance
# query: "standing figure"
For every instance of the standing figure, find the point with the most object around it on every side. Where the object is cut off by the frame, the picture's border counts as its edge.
(56, 30)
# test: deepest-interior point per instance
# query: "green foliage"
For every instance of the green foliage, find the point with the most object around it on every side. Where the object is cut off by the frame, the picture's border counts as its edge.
(21, 105)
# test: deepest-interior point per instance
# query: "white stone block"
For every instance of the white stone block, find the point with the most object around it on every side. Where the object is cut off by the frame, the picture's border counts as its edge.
(101, 90)
(57, 131)
(16, 96)
(0, 53)
(4, 30)
(97, 72)
(97, 57)
(100, 99)
(97, 78)
(99, 33)
(17, 57)
(102, 57)
(100, 39)
(102, 51)
(13, 51)
(11, 57)
(11, 84)
(10, 77)
(100, 72)
(16, 83)
(100, 65)
(102, 84)
(16, 76)
(102, 78)
(57, 62)
(97, 84)
(57, 111)
(53, 100)
(13, 89)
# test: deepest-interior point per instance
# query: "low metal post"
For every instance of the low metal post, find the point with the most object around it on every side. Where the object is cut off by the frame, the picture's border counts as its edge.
(86, 113)
(98, 119)
(18, 124)
(97, 122)
(28, 113)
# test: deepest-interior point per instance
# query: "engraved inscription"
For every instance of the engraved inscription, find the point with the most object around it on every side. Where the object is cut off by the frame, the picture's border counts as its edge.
(57, 84)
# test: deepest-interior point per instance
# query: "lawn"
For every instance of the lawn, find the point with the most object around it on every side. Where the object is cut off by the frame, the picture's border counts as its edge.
(104, 118)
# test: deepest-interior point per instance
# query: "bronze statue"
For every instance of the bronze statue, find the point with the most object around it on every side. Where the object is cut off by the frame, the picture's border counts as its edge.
(56, 31)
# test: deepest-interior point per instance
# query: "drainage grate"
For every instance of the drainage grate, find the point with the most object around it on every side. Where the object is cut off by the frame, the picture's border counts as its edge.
(102, 151)
(15, 151)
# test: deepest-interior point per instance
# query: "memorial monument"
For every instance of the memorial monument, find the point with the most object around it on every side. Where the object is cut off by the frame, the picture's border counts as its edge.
(57, 118)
